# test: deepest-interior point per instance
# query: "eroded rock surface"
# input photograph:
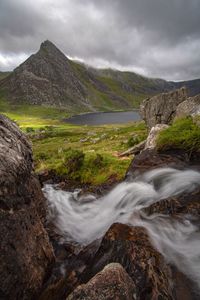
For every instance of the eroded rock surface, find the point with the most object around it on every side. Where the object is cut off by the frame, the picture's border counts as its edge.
(26, 255)
(132, 249)
(153, 134)
(161, 109)
(189, 107)
(111, 283)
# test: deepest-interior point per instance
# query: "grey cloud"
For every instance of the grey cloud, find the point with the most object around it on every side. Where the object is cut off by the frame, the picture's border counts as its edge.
(160, 38)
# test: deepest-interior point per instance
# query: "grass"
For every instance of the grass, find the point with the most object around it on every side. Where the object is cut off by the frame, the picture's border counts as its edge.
(99, 144)
(55, 143)
(32, 115)
(183, 134)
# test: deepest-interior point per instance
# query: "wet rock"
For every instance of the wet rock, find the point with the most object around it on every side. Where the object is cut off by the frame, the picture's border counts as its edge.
(132, 248)
(187, 203)
(161, 109)
(189, 107)
(26, 255)
(71, 262)
(153, 134)
(111, 283)
(150, 159)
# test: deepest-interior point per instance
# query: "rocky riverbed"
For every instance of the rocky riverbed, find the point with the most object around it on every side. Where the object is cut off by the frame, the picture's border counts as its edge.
(149, 249)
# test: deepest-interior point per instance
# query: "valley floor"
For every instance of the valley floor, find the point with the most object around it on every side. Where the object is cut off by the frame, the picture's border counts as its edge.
(84, 154)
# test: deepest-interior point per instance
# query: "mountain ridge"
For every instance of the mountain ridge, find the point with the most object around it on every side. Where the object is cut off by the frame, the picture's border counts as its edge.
(49, 78)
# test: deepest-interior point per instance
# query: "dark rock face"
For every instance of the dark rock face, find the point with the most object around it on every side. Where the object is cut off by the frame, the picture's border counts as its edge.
(132, 249)
(26, 254)
(161, 109)
(111, 283)
(187, 203)
(150, 159)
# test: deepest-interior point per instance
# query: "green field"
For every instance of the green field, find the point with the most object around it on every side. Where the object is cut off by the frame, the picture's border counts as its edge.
(87, 154)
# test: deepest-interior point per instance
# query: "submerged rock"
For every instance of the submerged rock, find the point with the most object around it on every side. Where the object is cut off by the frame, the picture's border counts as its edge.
(161, 109)
(26, 255)
(111, 283)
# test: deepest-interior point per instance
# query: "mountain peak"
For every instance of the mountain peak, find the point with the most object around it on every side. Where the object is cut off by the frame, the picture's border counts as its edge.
(50, 48)
(47, 44)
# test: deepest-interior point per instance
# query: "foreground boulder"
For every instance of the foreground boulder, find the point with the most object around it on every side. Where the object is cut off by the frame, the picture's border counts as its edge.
(132, 249)
(111, 283)
(150, 159)
(161, 109)
(26, 255)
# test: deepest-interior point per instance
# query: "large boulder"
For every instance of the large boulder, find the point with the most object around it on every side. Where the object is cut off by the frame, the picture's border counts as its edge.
(26, 255)
(161, 109)
(189, 107)
(111, 283)
(131, 247)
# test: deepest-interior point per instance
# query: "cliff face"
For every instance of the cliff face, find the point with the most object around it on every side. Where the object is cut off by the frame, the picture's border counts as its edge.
(26, 254)
(161, 109)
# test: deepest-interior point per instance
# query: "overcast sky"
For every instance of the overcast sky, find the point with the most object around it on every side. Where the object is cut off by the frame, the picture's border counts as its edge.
(156, 38)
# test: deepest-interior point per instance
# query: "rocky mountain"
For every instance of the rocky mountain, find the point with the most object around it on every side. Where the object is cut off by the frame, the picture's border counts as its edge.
(50, 78)
(4, 75)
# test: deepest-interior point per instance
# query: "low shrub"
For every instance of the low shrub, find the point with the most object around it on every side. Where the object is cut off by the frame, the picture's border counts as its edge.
(30, 129)
(73, 159)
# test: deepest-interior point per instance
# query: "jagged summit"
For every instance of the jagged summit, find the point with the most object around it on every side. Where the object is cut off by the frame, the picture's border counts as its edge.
(46, 78)
(47, 47)
(47, 44)
(49, 78)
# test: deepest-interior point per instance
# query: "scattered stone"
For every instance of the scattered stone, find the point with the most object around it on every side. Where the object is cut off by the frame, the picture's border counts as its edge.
(96, 140)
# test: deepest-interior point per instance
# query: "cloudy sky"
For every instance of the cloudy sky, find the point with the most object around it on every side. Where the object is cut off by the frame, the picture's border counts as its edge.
(157, 38)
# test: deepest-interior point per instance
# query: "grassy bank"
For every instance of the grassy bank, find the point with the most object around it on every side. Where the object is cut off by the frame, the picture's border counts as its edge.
(85, 153)
(182, 134)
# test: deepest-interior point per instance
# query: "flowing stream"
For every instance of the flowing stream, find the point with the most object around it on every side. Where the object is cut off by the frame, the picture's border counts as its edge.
(83, 219)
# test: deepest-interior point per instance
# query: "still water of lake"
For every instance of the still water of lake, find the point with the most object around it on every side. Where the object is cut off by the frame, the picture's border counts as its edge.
(101, 118)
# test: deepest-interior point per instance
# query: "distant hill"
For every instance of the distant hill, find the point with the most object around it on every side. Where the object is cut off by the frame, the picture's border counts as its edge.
(49, 78)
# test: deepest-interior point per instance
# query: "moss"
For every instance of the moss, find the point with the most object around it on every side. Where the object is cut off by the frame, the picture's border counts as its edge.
(183, 134)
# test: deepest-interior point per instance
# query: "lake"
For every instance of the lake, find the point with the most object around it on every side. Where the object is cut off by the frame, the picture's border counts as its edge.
(101, 118)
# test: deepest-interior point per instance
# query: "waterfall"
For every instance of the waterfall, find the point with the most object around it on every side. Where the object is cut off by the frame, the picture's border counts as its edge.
(82, 219)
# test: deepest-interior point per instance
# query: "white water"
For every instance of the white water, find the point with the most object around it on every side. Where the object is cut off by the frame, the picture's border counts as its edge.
(83, 219)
